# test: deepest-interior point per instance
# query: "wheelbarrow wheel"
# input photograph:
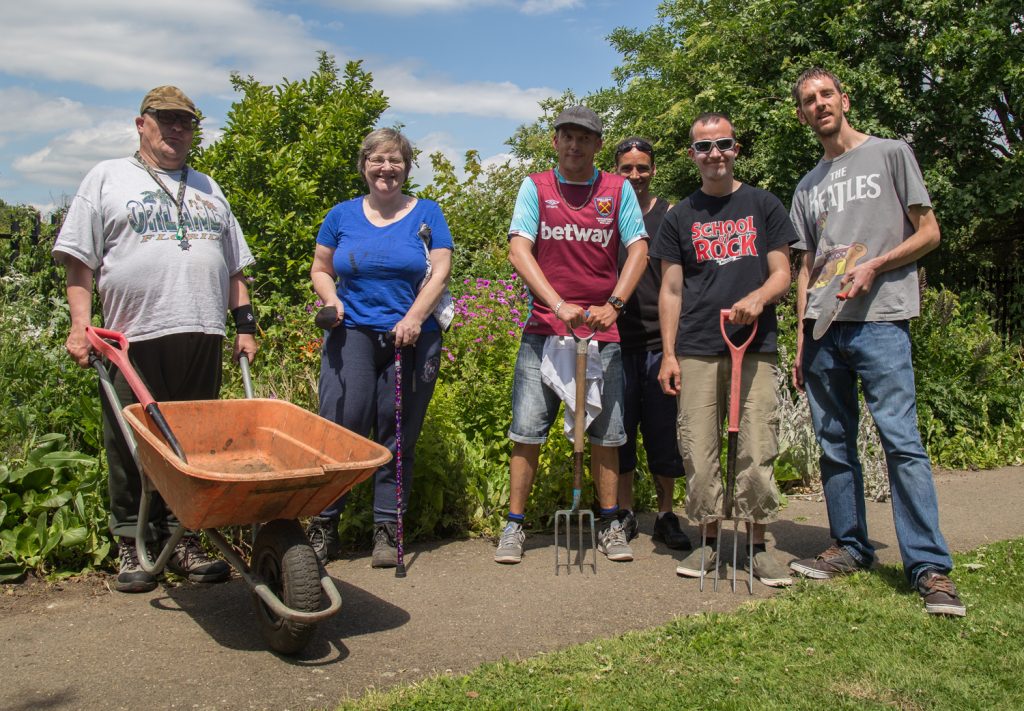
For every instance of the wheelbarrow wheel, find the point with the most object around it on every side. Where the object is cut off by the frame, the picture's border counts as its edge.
(283, 558)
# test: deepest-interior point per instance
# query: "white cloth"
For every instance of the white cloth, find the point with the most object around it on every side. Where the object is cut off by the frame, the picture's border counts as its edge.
(558, 372)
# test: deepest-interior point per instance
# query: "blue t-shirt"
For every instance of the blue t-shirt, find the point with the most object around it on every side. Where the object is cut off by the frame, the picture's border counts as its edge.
(379, 269)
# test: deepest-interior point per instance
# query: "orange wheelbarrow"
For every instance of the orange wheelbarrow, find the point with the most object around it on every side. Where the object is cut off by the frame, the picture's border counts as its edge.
(235, 462)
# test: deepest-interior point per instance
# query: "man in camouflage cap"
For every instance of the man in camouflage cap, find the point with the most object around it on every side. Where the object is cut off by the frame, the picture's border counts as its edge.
(166, 254)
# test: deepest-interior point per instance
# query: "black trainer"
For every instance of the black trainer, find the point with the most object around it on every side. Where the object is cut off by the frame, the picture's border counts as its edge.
(668, 531)
(131, 578)
(385, 545)
(189, 560)
(322, 533)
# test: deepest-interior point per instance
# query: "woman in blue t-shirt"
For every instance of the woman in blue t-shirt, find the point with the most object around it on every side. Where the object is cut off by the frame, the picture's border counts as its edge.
(369, 265)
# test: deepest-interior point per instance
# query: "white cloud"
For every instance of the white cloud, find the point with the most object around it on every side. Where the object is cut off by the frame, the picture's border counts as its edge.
(410, 92)
(24, 111)
(498, 160)
(125, 45)
(410, 7)
(67, 158)
(544, 7)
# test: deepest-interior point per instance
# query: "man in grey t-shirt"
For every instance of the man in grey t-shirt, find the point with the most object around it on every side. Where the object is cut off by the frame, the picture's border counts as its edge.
(863, 218)
(166, 255)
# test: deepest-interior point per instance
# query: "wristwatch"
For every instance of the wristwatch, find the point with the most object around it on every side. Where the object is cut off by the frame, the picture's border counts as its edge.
(616, 302)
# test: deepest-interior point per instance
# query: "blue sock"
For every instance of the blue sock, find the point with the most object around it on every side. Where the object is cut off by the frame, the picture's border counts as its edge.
(516, 518)
(610, 514)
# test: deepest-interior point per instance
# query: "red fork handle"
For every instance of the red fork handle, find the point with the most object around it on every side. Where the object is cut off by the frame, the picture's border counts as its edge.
(117, 353)
(736, 351)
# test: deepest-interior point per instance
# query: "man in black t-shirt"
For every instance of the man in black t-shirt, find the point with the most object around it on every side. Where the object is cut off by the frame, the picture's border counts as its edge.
(646, 407)
(726, 246)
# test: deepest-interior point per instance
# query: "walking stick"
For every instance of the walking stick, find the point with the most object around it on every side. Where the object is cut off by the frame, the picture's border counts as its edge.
(728, 503)
(399, 535)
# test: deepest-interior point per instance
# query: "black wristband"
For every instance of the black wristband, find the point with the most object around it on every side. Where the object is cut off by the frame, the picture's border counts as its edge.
(245, 319)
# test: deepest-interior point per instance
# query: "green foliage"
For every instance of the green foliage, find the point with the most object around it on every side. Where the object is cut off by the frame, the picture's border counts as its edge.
(44, 390)
(945, 75)
(478, 211)
(970, 385)
(52, 511)
(287, 155)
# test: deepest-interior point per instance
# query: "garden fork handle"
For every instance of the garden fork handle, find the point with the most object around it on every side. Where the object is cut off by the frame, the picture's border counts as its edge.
(736, 374)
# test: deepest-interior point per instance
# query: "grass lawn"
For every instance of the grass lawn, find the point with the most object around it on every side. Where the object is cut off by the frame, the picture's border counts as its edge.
(863, 642)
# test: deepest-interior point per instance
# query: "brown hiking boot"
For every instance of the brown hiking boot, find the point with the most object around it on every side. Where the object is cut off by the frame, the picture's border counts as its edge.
(939, 593)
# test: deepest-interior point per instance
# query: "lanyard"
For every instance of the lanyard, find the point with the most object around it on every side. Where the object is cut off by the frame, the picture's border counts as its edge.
(179, 201)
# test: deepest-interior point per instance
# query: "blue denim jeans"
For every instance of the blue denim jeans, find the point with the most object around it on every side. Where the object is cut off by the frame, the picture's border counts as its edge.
(878, 354)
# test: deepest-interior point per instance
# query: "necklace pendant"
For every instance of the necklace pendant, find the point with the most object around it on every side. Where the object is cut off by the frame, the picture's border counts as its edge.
(180, 234)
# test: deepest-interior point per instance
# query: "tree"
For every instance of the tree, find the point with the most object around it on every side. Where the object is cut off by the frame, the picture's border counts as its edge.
(478, 210)
(287, 155)
(946, 76)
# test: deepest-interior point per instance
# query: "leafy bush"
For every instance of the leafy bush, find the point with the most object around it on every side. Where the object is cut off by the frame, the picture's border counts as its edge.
(52, 511)
(970, 384)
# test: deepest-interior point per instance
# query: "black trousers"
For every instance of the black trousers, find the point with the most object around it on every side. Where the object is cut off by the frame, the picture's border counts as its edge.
(182, 366)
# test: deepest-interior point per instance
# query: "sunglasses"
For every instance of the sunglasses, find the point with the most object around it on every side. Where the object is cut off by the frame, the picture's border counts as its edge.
(722, 144)
(171, 118)
(637, 143)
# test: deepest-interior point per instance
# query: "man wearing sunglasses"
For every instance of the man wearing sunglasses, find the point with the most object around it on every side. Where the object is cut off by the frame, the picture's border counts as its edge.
(564, 241)
(166, 255)
(870, 192)
(726, 246)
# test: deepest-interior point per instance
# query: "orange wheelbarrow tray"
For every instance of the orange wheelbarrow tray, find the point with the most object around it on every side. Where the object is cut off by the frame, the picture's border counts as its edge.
(250, 461)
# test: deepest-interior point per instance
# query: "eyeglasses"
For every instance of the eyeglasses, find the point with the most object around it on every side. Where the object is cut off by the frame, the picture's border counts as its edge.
(188, 122)
(637, 143)
(379, 161)
(722, 144)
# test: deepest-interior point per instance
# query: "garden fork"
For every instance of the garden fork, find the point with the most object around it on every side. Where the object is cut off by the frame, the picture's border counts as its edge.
(728, 503)
(579, 432)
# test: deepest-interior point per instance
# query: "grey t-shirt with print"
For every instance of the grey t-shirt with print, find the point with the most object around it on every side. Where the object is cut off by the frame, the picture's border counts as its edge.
(123, 226)
(854, 208)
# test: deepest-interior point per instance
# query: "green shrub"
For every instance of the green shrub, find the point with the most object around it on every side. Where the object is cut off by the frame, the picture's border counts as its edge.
(52, 511)
(970, 384)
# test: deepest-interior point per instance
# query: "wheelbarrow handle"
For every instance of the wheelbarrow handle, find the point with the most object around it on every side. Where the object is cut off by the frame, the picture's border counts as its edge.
(117, 353)
(736, 351)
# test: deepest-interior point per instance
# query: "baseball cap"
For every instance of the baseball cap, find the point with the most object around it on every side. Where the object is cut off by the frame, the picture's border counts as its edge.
(579, 116)
(168, 98)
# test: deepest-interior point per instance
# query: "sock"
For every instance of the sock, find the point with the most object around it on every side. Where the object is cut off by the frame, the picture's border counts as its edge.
(610, 514)
(516, 518)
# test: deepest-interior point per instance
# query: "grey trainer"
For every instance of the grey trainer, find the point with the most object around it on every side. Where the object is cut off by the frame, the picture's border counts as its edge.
(770, 571)
(510, 545)
(612, 542)
(385, 545)
(690, 566)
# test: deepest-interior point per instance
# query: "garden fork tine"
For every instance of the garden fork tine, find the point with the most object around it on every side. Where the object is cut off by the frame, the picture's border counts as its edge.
(728, 503)
(579, 432)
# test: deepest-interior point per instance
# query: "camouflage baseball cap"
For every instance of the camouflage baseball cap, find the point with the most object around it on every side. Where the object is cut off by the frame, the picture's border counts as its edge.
(168, 97)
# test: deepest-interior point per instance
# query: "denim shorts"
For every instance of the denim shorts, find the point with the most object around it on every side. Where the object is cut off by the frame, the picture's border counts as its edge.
(535, 405)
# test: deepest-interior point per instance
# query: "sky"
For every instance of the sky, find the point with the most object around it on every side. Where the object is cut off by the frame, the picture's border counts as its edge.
(459, 74)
